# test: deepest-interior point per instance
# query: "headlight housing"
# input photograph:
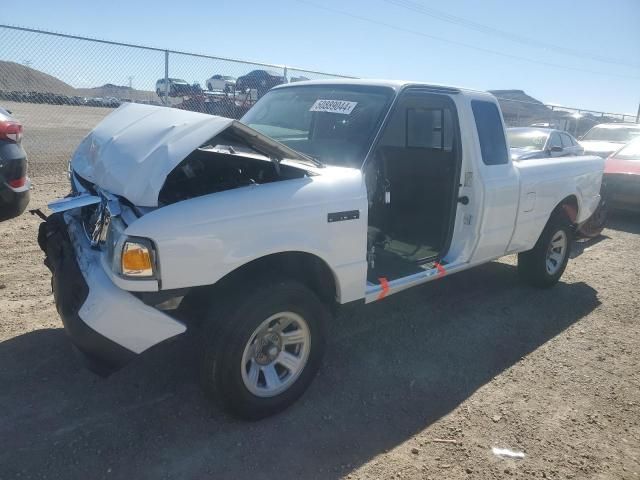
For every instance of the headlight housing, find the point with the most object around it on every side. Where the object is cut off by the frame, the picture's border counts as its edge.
(134, 258)
(137, 259)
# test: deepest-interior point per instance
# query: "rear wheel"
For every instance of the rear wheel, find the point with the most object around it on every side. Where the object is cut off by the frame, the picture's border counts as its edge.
(263, 349)
(544, 264)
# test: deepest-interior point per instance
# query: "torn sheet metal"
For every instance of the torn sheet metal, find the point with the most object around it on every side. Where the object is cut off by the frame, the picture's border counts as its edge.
(68, 203)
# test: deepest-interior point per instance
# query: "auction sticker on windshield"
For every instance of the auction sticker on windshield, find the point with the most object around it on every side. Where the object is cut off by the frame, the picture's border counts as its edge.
(333, 106)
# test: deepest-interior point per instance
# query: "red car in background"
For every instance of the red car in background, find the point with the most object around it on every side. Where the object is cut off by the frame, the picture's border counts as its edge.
(621, 178)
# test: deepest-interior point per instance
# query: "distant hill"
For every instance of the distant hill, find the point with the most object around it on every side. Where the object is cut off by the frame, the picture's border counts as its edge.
(517, 104)
(19, 78)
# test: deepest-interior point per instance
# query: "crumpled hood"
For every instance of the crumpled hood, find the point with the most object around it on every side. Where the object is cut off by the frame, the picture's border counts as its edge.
(131, 152)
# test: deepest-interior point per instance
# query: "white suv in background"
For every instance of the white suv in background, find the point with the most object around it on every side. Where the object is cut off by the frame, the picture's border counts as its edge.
(607, 138)
(222, 83)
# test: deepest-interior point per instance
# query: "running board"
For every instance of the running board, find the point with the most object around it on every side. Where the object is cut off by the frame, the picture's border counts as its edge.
(375, 292)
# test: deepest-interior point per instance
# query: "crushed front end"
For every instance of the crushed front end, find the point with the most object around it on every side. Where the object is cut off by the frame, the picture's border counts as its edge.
(101, 306)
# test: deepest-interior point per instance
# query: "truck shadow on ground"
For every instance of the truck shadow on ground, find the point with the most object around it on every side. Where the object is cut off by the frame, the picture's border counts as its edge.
(391, 370)
(624, 221)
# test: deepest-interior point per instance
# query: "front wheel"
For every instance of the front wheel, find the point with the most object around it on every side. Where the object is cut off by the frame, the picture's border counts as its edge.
(264, 348)
(544, 264)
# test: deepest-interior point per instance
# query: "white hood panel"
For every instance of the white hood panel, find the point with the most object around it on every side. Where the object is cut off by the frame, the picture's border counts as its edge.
(131, 152)
(600, 146)
(133, 149)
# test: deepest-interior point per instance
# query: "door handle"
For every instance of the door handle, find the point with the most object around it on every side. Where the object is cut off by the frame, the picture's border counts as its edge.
(463, 200)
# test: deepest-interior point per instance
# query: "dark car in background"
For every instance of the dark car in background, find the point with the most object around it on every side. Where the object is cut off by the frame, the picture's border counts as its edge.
(14, 182)
(621, 178)
(260, 80)
(607, 138)
(534, 142)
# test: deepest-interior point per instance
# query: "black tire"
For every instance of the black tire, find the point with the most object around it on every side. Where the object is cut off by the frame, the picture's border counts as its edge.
(230, 327)
(532, 265)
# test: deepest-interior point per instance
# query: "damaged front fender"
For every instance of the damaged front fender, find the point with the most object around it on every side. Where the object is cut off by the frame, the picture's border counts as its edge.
(107, 324)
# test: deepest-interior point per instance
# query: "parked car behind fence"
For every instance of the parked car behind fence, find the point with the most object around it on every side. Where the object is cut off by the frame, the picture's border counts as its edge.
(260, 80)
(223, 83)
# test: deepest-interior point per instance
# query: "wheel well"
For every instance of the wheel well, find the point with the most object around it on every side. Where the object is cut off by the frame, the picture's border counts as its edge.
(569, 205)
(306, 268)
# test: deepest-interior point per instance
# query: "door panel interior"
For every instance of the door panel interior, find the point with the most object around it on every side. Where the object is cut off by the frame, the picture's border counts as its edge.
(412, 181)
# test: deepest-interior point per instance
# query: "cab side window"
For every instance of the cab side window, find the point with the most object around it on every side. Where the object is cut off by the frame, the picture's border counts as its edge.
(493, 145)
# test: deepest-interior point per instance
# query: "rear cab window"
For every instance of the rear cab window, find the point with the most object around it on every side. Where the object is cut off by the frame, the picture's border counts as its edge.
(493, 144)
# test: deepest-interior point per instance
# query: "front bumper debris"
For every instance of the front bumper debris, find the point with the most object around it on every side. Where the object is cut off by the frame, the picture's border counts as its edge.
(108, 325)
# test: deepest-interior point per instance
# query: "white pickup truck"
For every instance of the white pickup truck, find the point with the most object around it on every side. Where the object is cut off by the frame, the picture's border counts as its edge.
(253, 232)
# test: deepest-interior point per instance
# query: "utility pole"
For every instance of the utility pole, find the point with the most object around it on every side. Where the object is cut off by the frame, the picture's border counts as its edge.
(130, 77)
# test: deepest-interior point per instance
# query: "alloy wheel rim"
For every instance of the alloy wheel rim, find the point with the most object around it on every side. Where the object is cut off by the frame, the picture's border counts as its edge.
(276, 354)
(556, 252)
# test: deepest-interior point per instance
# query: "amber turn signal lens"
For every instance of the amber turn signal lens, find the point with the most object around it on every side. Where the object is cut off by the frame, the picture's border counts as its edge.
(136, 260)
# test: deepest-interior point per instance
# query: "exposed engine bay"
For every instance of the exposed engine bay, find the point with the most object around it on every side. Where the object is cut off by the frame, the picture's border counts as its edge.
(224, 164)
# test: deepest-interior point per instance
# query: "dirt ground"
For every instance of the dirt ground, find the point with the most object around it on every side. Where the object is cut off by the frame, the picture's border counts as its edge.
(52, 132)
(477, 359)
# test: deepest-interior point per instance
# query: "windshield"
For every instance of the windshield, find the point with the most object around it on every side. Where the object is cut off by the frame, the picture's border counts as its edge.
(332, 123)
(630, 152)
(615, 134)
(527, 139)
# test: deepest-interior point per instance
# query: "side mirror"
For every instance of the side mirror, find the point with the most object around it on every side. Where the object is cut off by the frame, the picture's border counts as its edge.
(556, 149)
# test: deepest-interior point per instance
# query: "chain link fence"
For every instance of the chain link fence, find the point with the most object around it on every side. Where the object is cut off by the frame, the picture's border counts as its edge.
(524, 113)
(60, 86)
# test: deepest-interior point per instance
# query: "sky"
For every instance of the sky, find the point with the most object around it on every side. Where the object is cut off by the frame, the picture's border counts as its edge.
(582, 54)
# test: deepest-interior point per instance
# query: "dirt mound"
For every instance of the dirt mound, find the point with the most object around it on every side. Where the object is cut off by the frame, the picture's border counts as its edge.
(20, 78)
(15, 77)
